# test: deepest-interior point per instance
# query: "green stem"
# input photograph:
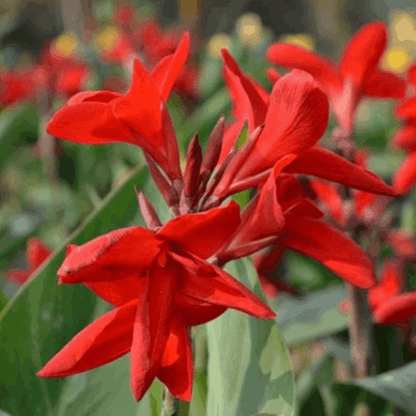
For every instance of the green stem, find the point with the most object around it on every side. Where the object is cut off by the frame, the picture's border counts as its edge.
(170, 406)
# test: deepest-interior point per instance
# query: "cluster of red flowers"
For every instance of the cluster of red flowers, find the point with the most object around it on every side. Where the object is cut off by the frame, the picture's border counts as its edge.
(152, 43)
(54, 74)
(159, 279)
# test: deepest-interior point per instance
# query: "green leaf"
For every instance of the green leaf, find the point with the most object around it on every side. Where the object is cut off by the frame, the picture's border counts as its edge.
(16, 125)
(249, 368)
(311, 316)
(397, 386)
(43, 317)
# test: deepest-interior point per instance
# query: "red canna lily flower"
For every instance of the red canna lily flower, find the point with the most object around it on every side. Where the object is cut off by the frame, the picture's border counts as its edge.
(282, 217)
(356, 75)
(139, 116)
(294, 117)
(37, 252)
(160, 284)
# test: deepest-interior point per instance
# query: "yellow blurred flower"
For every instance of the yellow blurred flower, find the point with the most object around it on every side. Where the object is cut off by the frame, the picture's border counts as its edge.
(107, 38)
(304, 40)
(396, 59)
(65, 44)
(216, 43)
(249, 29)
(403, 26)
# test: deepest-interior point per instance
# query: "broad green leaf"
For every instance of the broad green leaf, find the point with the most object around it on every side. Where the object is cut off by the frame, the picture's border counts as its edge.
(43, 317)
(397, 386)
(249, 368)
(311, 316)
(16, 126)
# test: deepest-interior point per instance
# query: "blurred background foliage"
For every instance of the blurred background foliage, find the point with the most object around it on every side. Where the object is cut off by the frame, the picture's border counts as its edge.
(33, 202)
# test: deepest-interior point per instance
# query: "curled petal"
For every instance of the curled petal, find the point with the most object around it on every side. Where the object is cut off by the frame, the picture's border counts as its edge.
(177, 370)
(204, 233)
(106, 339)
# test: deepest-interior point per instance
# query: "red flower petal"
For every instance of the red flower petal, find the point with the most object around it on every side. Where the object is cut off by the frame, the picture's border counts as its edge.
(405, 137)
(119, 291)
(140, 109)
(89, 122)
(405, 177)
(204, 233)
(407, 109)
(104, 97)
(196, 312)
(325, 164)
(37, 252)
(383, 84)
(258, 104)
(363, 200)
(332, 248)
(402, 242)
(411, 75)
(266, 219)
(173, 68)
(296, 119)
(18, 276)
(177, 369)
(390, 285)
(152, 326)
(329, 195)
(363, 53)
(206, 282)
(397, 310)
(292, 56)
(118, 254)
(106, 339)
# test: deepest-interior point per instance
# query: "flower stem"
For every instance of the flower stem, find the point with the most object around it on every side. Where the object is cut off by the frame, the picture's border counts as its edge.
(170, 406)
(361, 332)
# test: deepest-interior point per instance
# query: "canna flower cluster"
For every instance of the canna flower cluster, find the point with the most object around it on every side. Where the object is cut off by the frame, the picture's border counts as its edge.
(405, 138)
(57, 73)
(167, 278)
